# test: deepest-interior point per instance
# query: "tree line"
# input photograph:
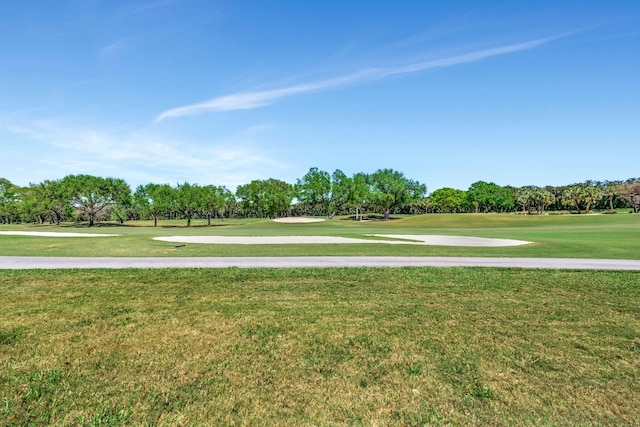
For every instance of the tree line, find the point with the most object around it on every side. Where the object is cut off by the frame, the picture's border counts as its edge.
(580, 197)
(318, 193)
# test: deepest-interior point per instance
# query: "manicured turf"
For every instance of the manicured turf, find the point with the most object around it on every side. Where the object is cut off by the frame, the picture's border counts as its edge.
(567, 236)
(409, 346)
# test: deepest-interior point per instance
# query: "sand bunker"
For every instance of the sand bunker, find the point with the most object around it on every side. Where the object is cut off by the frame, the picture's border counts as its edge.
(406, 239)
(410, 239)
(290, 220)
(52, 234)
(261, 240)
(437, 240)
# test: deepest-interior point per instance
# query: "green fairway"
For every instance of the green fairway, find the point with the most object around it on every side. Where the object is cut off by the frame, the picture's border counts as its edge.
(410, 346)
(566, 236)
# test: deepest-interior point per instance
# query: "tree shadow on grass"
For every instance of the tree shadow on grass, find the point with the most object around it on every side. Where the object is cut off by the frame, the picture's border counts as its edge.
(85, 225)
(368, 218)
(96, 225)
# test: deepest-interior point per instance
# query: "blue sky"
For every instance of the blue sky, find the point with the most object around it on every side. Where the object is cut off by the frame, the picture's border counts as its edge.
(223, 92)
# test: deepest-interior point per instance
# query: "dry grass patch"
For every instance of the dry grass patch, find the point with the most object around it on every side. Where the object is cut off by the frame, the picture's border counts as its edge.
(410, 346)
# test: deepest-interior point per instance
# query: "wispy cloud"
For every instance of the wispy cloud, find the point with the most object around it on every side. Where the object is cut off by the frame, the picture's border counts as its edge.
(255, 99)
(144, 156)
(112, 50)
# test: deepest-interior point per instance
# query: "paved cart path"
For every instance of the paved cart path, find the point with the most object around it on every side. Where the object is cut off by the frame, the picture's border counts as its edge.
(319, 261)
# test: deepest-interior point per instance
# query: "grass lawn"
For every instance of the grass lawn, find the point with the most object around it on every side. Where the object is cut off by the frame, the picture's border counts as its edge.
(566, 236)
(408, 346)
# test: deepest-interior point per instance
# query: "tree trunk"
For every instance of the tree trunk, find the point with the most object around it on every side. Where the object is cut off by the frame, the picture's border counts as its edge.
(387, 214)
(209, 219)
(189, 222)
(91, 220)
(155, 220)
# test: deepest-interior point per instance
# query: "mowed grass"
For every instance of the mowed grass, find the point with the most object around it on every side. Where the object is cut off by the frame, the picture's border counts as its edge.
(564, 236)
(406, 346)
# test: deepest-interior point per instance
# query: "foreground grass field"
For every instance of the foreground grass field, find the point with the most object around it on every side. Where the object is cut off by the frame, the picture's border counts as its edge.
(410, 346)
(568, 236)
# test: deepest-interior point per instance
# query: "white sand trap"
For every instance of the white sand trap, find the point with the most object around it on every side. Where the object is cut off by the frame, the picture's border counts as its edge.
(437, 240)
(52, 234)
(297, 240)
(262, 240)
(298, 220)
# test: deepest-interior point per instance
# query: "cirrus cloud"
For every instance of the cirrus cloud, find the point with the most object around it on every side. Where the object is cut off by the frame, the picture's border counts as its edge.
(255, 99)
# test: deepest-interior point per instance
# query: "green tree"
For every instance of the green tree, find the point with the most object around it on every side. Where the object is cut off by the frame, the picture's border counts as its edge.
(189, 199)
(571, 197)
(360, 193)
(32, 205)
(154, 200)
(225, 202)
(631, 193)
(591, 193)
(533, 197)
(448, 200)
(89, 194)
(123, 209)
(9, 202)
(265, 198)
(314, 189)
(216, 201)
(349, 192)
(391, 189)
(541, 198)
(583, 194)
(523, 196)
(341, 192)
(490, 197)
(56, 198)
(611, 190)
